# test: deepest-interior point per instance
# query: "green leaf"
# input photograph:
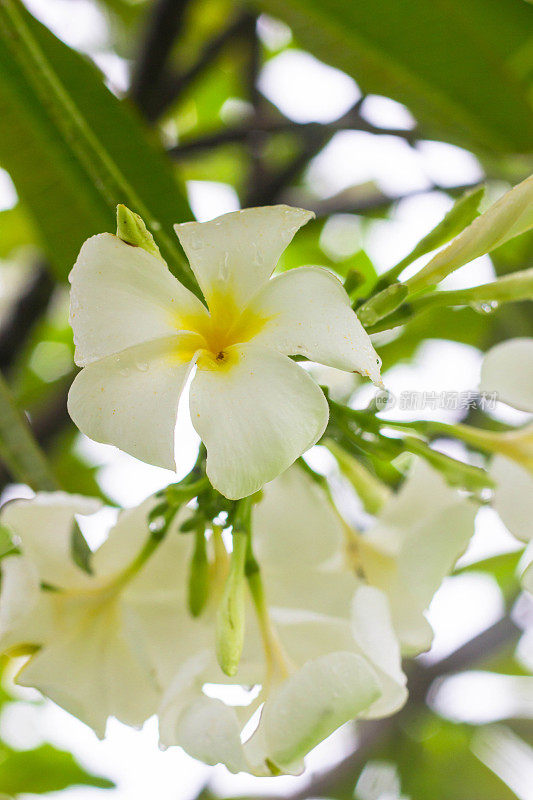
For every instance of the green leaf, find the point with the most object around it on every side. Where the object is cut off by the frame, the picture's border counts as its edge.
(16, 229)
(79, 549)
(510, 216)
(462, 213)
(462, 66)
(74, 151)
(44, 769)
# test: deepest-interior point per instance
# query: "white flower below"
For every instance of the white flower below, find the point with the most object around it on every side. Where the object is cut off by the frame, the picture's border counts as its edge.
(99, 644)
(508, 370)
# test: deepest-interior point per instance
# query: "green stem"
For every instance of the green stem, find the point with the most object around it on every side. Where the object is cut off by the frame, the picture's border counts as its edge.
(18, 449)
(81, 141)
(276, 658)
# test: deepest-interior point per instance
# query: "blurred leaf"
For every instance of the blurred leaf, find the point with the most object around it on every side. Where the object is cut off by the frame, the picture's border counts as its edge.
(435, 761)
(79, 549)
(462, 66)
(16, 230)
(72, 171)
(504, 568)
(44, 769)
(72, 471)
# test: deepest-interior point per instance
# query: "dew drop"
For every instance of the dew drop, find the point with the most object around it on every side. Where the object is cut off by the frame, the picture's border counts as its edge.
(157, 525)
(223, 271)
(124, 371)
(485, 308)
(143, 366)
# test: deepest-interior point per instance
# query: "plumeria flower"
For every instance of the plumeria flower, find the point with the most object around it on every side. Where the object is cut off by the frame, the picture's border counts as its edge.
(326, 656)
(102, 643)
(139, 332)
(120, 641)
(508, 370)
(413, 544)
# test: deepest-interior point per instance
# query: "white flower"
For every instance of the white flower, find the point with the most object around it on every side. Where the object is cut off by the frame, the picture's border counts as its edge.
(418, 536)
(331, 654)
(413, 544)
(138, 333)
(100, 644)
(508, 370)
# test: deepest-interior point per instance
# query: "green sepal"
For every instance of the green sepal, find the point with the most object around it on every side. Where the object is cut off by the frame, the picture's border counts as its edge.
(132, 230)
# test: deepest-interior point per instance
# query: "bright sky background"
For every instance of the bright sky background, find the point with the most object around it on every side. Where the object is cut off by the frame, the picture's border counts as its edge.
(305, 90)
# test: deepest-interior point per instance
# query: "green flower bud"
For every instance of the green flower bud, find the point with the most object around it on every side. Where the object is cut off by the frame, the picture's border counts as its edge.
(132, 230)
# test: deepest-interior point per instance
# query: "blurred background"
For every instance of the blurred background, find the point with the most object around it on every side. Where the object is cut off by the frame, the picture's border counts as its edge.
(376, 116)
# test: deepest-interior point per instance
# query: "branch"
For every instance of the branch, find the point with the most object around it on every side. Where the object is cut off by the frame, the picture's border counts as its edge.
(346, 203)
(165, 23)
(241, 133)
(172, 87)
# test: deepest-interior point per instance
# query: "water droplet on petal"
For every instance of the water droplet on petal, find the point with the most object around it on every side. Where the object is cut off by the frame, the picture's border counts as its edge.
(124, 371)
(143, 366)
(223, 271)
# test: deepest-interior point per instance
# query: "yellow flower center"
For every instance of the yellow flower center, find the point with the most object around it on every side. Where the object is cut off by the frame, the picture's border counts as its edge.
(216, 334)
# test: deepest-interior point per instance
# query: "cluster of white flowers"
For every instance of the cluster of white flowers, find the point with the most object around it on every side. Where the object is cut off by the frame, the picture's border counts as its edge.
(331, 610)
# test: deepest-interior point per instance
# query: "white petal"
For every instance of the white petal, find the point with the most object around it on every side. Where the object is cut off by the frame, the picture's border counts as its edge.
(507, 369)
(44, 526)
(511, 215)
(373, 631)
(527, 579)
(131, 399)
(209, 730)
(255, 417)
(125, 540)
(310, 314)
(20, 620)
(122, 296)
(513, 496)
(294, 524)
(91, 669)
(423, 494)
(236, 253)
(314, 702)
(413, 547)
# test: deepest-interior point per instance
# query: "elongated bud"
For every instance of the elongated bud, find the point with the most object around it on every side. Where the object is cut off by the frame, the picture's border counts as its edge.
(382, 304)
(132, 230)
(198, 589)
(372, 492)
(231, 611)
(456, 472)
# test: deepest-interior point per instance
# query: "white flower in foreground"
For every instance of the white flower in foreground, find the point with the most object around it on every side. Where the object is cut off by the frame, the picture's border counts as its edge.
(100, 644)
(508, 370)
(138, 332)
(324, 657)
(413, 544)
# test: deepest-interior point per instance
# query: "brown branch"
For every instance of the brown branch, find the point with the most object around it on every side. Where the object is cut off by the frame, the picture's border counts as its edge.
(164, 24)
(173, 86)
(346, 203)
(241, 133)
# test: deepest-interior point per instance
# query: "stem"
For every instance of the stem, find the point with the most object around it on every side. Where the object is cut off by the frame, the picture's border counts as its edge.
(81, 141)
(22, 455)
(274, 653)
